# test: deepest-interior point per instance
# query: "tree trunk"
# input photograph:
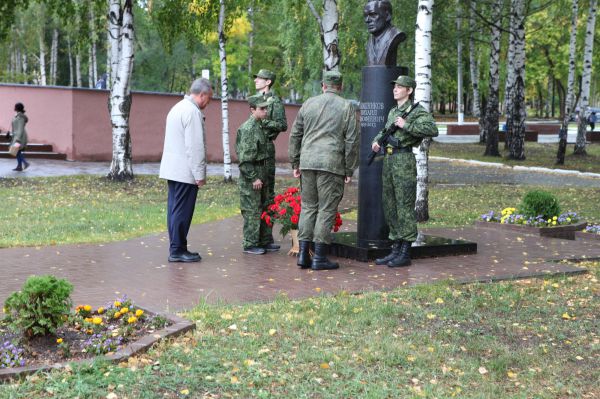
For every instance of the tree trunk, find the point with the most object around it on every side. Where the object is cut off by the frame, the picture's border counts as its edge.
(250, 43)
(474, 62)
(54, 57)
(224, 96)
(42, 43)
(423, 95)
(586, 79)
(562, 143)
(120, 20)
(78, 68)
(93, 45)
(328, 30)
(459, 66)
(519, 111)
(70, 54)
(491, 113)
(90, 68)
(510, 75)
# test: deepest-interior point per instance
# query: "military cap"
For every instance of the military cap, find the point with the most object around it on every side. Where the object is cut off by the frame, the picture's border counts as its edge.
(405, 81)
(332, 78)
(257, 102)
(265, 74)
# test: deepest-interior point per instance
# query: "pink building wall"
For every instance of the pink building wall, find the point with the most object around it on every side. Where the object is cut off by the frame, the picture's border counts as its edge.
(76, 122)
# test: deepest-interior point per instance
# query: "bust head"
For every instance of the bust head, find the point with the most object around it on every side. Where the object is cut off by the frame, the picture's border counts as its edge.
(378, 16)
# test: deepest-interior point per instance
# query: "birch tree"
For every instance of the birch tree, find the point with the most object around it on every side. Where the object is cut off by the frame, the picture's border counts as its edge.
(473, 60)
(423, 30)
(120, 25)
(586, 79)
(459, 65)
(516, 143)
(491, 114)
(562, 144)
(54, 57)
(42, 44)
(328, 32)
(224, 96)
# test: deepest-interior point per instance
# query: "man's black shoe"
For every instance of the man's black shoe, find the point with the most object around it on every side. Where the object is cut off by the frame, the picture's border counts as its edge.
(192, 253)
(184, 257)
(271, 247)
(18, 169)
(254, 251)
(25, 165)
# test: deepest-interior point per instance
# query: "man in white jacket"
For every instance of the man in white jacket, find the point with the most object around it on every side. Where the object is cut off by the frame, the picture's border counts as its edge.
(183, 165)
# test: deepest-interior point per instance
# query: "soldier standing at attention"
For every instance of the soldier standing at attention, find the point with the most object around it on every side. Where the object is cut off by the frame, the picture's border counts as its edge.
(323, 151)
(251, 149)
(400, 170)
(273, 124)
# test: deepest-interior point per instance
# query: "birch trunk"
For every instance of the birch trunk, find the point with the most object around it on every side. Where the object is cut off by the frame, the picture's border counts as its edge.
(473, 62)
(586, 79)
(90, 69)
(562, 143)
(491, 113)
(24, 64)
(459, 65)
(54, 57)
(78, 68)
(93, 46)
(510, 76)
(518, 111)
(328, 31)
(224, 96)
(120, 20)
(423, 95)
(42, 58)
(70, 55)
(250, 43)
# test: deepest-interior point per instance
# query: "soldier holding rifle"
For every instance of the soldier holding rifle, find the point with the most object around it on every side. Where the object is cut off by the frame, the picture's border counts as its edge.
(414, 124)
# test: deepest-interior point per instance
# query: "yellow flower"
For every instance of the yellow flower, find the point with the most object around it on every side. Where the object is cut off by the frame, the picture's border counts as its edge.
(59, 341)
(554, 223)
(97, 320)
(87, 308)
(89, 332)
(100, 310)
(88, 319)
(117, 304)
(555, 218)
(132, 320)
(117, 315)
(124, 310)
(139, 312)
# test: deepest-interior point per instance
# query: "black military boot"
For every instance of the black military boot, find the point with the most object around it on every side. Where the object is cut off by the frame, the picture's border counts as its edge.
(320, 261)
(403, 259)
(395, 252)
(304, 260)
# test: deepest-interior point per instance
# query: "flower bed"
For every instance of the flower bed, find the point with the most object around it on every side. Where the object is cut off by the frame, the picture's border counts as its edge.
(115, 332)
(561, 226)
(591, 232)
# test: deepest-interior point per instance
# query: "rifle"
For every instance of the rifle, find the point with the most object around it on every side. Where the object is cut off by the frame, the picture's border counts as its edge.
(387, 133)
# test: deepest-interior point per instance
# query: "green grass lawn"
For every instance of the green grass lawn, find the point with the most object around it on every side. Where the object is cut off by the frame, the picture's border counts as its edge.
(536, 338)
(543, 155)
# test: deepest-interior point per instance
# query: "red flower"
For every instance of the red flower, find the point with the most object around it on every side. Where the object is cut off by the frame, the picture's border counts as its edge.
(294, 219)
(267, 219)
(282, 211)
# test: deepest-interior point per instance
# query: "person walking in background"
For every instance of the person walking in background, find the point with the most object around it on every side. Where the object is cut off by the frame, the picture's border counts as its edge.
(274, 123)
(592, 121)
(183, 165)
(400, 169)
(19, 135)
(252, 152)
(323, 152)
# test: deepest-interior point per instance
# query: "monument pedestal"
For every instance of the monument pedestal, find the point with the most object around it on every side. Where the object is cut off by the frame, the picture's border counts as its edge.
(370, 241)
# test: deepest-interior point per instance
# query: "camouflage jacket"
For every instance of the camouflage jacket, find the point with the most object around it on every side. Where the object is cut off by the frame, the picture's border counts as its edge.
(250, 147)
(325, 135)
(419, 125)
(275, 122)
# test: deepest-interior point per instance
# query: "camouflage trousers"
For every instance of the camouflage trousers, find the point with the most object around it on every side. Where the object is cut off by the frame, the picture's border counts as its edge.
(399, 195)
(270, 176)
(252, 204)
(321, 194)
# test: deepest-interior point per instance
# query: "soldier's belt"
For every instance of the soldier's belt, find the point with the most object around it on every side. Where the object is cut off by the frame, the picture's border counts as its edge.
(262, 162)
(395, 150)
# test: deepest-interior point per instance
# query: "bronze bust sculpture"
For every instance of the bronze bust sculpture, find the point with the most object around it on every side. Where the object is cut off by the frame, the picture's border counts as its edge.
(382, 46)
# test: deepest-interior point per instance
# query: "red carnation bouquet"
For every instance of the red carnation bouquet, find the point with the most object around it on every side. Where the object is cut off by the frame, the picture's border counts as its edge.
(285, 210)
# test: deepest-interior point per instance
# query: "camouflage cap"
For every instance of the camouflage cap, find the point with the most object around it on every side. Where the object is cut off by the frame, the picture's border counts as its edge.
(332, 78)
(257, 102)
(405, 81)
(265, 74)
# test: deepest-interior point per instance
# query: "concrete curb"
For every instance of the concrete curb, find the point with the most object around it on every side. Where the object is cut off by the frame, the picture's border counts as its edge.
(520, 168)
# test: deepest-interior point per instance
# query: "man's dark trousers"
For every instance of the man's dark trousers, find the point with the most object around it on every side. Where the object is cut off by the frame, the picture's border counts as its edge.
(180, 209)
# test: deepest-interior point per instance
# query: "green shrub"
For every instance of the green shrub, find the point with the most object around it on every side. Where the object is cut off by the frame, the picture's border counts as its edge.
(539, 203)
(40, 307)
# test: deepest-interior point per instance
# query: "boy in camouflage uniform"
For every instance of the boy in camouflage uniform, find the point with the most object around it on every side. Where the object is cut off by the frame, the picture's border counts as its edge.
(273, 124)
(324, 153)
(400, 170)
(251, 149)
